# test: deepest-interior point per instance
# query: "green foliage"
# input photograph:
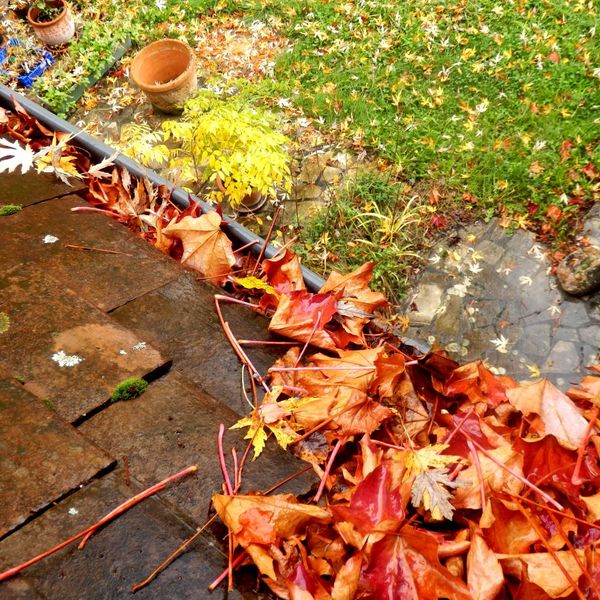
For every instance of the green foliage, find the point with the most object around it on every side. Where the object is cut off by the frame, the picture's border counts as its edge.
(129, 389)
(9, 209)
(47, 11)
(371, 220)
(225, 141)
(481, 94)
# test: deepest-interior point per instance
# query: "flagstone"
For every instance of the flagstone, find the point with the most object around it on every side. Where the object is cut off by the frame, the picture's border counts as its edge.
(41, 456)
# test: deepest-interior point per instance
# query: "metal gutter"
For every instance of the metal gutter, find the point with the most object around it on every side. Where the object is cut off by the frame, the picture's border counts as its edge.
(99, 151)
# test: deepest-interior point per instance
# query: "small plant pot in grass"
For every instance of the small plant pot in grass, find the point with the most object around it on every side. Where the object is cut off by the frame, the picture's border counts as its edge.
(52, 21)
(166, 72)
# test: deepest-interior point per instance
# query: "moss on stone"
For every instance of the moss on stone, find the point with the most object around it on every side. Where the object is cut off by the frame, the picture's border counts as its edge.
(4, 322)
(9, 209)
(129, 389)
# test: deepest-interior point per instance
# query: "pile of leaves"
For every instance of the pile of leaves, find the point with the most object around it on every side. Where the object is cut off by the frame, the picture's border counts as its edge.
(433, 479)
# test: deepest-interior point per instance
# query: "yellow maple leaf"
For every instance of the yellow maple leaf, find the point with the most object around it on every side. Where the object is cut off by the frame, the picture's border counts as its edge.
(429, 457)
(256, 432)
(254, 283)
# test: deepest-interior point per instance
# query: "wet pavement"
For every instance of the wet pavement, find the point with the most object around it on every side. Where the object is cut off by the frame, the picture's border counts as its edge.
(492, 296)
(76, 320)
(84, 305)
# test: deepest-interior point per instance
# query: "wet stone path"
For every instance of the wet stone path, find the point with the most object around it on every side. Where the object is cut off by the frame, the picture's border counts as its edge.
(491, 296)
(74, 323)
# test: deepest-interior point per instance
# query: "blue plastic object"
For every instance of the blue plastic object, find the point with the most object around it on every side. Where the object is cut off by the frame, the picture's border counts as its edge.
(47, 61)
(30, 75)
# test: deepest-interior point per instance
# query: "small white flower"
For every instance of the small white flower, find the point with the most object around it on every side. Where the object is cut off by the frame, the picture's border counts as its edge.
(475, 268)
(73, 511)
(49, 239)
(539, 145)
(501, 344)
(160, 4)
(139, 346)
(284, 103)
(66, 360)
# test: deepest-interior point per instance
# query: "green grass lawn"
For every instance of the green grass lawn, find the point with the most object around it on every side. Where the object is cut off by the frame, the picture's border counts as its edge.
(497, 99)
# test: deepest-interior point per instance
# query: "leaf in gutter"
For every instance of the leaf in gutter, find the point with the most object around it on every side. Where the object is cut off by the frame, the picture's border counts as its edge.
(98, 170)
(206, 247)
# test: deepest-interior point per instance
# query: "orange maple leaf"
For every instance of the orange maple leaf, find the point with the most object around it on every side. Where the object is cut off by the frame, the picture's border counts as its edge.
(205, 247)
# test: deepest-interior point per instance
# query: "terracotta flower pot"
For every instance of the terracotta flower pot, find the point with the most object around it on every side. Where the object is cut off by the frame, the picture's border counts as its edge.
(56, 32)
(166, 72)
(251, 203)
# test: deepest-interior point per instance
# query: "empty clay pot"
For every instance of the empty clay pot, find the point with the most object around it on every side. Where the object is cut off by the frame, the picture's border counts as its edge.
(166, 71)
(56, 32)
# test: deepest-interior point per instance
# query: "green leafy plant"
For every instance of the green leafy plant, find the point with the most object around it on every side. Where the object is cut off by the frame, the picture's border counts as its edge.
(129, 389)
(229, 143)
(48, 10)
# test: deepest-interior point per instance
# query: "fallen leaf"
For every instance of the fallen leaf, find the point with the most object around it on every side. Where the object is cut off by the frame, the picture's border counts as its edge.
(495, 478)
(284, 272)
(377, 503)
(297, 314)
(541, 569)
(406, 567)
(484, 573)
(206, 248)
(346, 580)
(558, 413)
(13, 155)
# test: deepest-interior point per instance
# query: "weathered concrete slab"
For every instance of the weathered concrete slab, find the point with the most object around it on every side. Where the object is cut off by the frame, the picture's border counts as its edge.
(180, 319)
(43, 233)
(172, 425)
(117, 557)
(16, 188)
(41, 457)
(66, 351)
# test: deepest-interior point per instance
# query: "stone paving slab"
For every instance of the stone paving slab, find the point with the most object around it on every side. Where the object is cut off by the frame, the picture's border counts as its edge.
(172, 425)
(26, 190)
(66, 351)
(131, 268)
(181, 321)
(492, 297)
(41, 457)
(120, 555)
